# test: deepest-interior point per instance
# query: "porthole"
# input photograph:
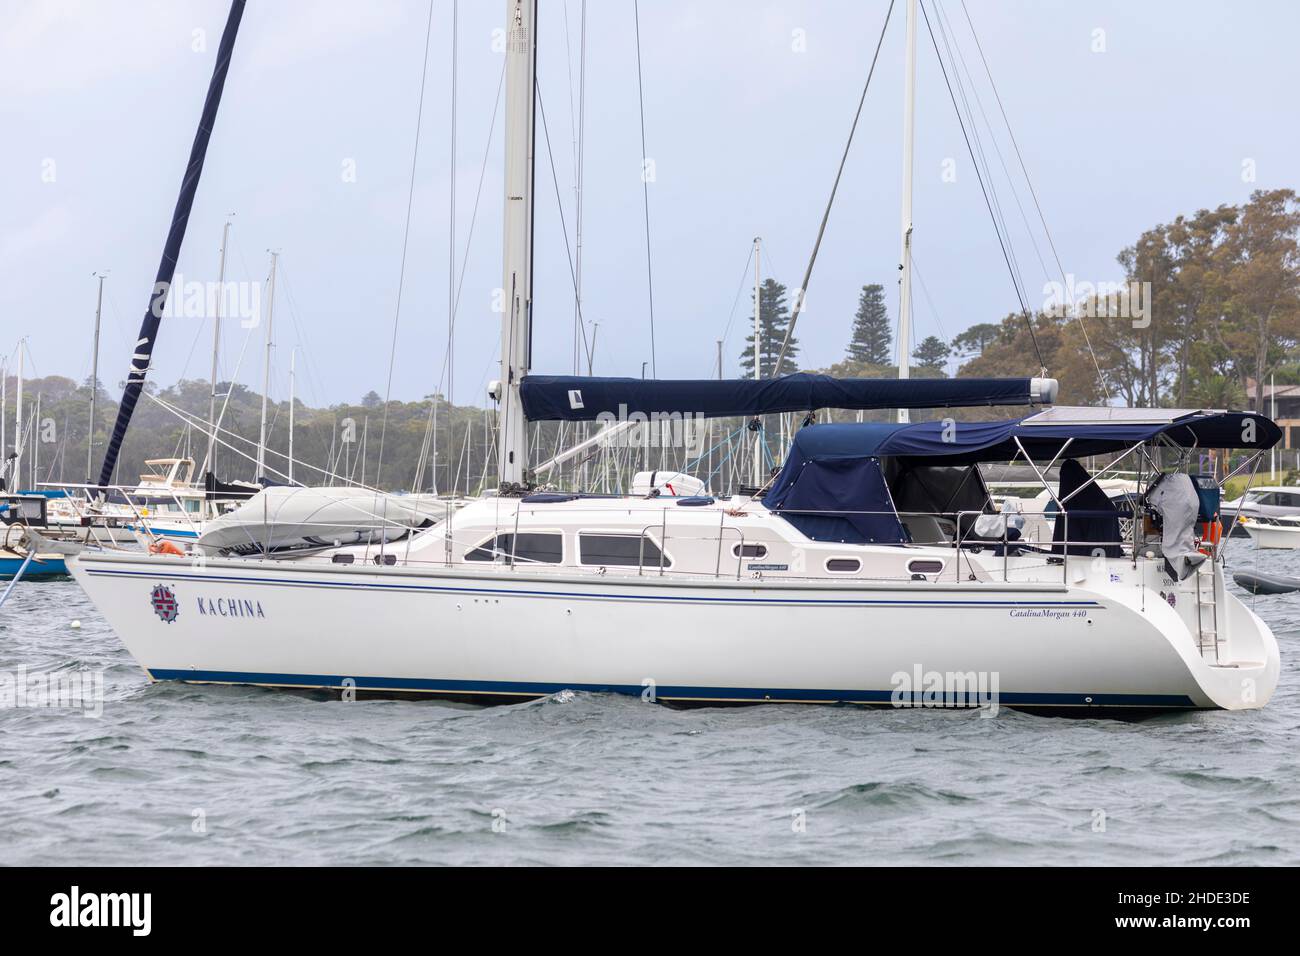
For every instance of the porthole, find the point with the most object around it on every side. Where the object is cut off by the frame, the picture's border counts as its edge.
(843, 565)
(749, 551)
(924, 566)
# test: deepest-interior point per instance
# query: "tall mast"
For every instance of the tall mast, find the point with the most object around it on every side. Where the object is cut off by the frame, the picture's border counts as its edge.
(210, 459)
(758, 360)
(293, 359)
(36, 440)
(517, 280)
(94, 381)
(18, 420)
(905, 257)
(266, 371)
(4, 416)
(148, 335)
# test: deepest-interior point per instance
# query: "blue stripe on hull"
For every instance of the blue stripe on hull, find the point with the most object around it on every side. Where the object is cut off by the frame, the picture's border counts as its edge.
(163, 532)
(168, 574)
(516, 689)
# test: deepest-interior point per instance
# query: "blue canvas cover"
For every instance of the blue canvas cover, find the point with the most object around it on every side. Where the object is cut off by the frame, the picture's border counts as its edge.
(814, 490)
(1094, 519)
(966, 442)
(836, 467)
(587, 398)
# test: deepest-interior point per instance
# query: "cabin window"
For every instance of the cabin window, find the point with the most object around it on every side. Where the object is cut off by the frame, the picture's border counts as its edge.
(620, 550)
(749, 550)
(924, 566)
(531, 548)
(843, 565)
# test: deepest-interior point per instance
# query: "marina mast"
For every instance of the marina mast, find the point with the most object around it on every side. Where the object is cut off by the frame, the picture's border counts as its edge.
(266, 372)
(94, 381)
(517, 278)
(905, 257)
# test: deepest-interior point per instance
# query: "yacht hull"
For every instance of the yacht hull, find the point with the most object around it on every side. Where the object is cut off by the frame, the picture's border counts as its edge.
(509, 636)
(1274, 536)
(42, 567)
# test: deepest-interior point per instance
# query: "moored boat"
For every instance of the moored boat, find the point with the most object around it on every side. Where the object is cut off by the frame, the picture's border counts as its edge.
(791, 598)
(1281, 533)
(873, 569)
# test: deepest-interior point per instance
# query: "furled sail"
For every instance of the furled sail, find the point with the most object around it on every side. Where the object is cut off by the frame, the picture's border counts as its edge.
(172, 249)
(575, 399)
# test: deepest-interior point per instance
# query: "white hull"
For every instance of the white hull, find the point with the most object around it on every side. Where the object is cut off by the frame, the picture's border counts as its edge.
(512, 635)
(1276, 536)
(182, 533)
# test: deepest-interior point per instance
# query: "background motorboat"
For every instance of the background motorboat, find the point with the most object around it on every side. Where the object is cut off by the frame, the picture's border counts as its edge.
(1267, 501)
(1267, 532)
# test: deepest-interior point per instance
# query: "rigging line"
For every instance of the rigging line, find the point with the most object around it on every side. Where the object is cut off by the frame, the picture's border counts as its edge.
(740, 288)
(451, 218)
(1034, 195)
(406, 237)
(430, 440)
(568, 66)
(946, 29)
(982, 161)
(973, 128)
(313, 389)
(1024, 308)
(225, 402)
(645, 188)
(579, 161)
(469, 238)
(958, 59)
(558, 202)
(821, 231)
(935, 312)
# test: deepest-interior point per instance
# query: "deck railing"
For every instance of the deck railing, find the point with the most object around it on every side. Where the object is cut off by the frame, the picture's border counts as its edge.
(689, 545)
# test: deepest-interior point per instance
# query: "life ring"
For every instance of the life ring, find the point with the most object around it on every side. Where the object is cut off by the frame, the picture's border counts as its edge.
(163, 546)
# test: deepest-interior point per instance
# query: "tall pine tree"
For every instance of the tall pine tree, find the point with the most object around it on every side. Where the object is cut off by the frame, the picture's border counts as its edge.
(773, 319)
(872, 330)
(932, 353)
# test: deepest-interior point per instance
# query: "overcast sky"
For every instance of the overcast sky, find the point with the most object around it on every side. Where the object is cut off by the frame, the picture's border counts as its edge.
(1127, 114)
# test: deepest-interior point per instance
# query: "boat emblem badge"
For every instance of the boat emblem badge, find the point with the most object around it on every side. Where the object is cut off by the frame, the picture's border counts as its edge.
(164, 603)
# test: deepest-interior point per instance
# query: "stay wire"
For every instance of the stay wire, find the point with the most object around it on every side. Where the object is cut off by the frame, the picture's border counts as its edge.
(821, 230)
(984, 190)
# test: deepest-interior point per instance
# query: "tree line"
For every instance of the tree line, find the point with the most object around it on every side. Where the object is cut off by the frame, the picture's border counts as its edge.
(1217, 314)
(1208, 310)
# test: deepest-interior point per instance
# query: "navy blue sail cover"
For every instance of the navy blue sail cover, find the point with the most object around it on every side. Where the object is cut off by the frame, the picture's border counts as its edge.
(578, 399)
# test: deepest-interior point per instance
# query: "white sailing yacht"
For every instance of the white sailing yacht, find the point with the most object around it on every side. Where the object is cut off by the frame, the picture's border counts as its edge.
(872, 570)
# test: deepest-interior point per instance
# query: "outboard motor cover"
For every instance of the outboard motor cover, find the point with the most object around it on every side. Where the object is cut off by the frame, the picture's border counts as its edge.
(1175, 499)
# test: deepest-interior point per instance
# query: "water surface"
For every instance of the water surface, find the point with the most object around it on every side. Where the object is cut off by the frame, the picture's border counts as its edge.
(211, 775)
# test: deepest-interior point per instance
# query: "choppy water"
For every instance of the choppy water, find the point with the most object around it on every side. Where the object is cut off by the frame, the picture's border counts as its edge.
(186, 775)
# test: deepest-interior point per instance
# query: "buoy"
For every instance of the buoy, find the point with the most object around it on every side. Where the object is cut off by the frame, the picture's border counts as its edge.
(76, 625)
(163, 546)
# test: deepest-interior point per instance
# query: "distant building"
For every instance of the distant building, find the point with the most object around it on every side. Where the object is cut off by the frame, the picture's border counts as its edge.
(1286, 400)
